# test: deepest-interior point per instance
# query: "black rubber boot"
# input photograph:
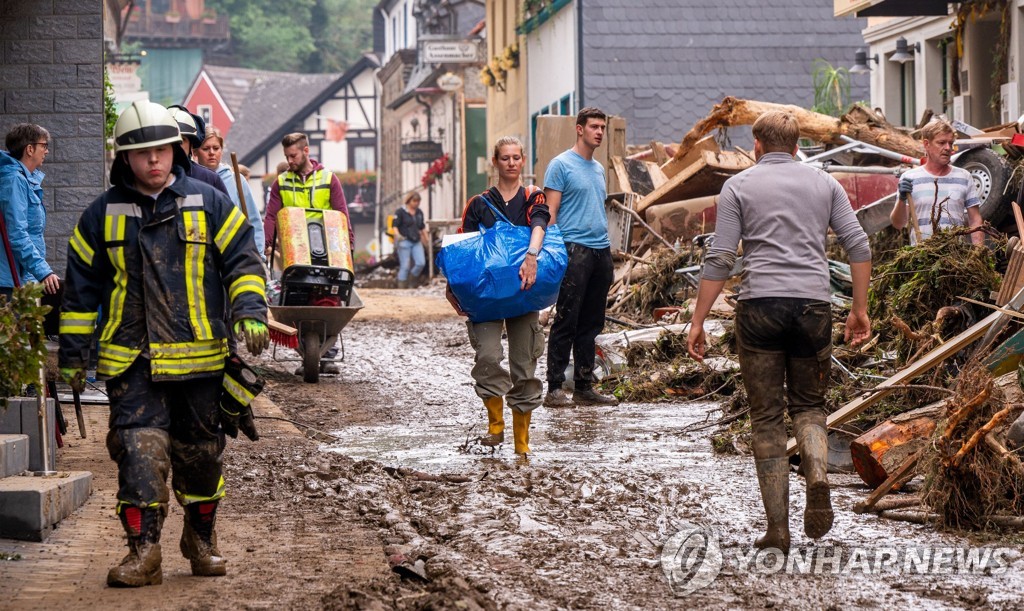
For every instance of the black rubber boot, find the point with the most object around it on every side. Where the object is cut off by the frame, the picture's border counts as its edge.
(141, 567)
(199, 541)
(773, 477)
(812, 442)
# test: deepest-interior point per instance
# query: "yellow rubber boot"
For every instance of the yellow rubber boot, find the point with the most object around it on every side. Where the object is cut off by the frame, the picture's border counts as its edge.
(495, 422)
(521, 431)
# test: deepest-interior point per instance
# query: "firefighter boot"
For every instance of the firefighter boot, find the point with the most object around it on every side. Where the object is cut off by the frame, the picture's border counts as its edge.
(141, 567)
(812, 442)
(495, 422)
(521, 431)
(773, 477)
(199, 541)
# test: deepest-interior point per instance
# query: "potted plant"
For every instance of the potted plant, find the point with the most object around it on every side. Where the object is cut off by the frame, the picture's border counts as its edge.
(209, 16)
(172, 16)
(135, 14)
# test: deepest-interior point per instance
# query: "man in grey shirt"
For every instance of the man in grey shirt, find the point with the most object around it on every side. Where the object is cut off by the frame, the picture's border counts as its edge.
(782, 211)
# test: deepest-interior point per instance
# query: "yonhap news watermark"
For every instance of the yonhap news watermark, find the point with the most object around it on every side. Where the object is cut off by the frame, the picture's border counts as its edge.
(693, 558)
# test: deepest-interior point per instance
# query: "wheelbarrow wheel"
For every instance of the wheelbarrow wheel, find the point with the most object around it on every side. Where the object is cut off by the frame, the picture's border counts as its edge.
(311, 357)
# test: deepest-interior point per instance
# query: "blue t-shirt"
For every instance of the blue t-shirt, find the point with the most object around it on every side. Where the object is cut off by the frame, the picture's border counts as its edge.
(581, 214)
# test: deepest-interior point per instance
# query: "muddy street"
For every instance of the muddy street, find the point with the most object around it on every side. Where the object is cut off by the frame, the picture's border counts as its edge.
(381, 498)
(583, 522)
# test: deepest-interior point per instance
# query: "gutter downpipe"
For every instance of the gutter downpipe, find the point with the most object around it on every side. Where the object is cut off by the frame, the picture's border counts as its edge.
(579, 55)
(430, 190)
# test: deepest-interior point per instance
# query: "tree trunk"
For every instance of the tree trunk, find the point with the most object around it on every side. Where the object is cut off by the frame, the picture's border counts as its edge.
(858, 123)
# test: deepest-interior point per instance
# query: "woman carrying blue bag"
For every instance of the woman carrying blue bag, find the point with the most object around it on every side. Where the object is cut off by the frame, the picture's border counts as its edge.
(523, 206)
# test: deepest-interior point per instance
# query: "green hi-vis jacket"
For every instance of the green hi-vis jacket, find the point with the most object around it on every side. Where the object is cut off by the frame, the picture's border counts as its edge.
(314, 192)
(164, 273)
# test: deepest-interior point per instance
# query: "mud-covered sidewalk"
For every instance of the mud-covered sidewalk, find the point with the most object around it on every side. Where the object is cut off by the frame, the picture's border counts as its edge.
(394, 505)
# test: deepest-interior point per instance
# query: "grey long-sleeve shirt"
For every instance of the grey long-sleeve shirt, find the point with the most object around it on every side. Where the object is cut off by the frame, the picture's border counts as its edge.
(781, 210)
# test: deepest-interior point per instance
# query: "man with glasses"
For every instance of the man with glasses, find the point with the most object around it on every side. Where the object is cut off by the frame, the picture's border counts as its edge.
(24, 216)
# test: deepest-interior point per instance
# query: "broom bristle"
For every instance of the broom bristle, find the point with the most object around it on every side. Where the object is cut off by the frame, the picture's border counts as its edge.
(287, 340)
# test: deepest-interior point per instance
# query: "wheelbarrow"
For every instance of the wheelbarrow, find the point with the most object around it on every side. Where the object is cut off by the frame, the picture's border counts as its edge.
(318, 328)
(318, 296)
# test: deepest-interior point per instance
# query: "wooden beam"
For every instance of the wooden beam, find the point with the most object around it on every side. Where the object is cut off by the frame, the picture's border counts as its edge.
(621, 175)
(928, 362)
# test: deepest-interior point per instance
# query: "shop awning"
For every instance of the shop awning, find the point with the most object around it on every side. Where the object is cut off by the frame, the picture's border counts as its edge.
(889, 8)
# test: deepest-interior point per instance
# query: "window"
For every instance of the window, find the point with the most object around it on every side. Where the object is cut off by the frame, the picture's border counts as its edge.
(206, 112)
(363, 159)
(908, 102)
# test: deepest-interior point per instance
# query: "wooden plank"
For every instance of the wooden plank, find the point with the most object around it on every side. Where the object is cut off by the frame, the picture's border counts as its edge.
(929, 361)
(658, 177)
(556, 134)
(699, 179)
(660, 156)
(1019, 218)
(673, 166)
(620, 176)
(897, 476)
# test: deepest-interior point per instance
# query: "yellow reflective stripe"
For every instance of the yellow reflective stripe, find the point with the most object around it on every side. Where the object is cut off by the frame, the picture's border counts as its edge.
(237, 392)
(115, 360)
(117, 296)
(190, 365)
(195, 255)
(81, 247)
(188, 349)
(250, 283)
(188, 499)
(78, 323)
(232, 224)
(121, 505)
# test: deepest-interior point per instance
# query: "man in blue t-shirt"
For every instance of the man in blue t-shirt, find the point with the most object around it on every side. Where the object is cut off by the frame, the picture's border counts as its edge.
(574, 186)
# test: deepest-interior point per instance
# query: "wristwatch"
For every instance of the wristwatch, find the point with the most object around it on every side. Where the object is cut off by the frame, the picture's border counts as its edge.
(532, 251)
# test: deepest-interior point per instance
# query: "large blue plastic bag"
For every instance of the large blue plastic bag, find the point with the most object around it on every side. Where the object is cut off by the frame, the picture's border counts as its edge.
(483, 271)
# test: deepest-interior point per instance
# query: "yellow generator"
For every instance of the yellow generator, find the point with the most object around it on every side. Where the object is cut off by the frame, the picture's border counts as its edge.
(316, 257)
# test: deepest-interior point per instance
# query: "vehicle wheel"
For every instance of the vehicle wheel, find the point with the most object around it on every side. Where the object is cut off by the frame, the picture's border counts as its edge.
(311, 357)
(991, 172)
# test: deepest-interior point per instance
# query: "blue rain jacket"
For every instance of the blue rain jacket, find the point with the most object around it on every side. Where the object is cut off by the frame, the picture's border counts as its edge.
(21, 200)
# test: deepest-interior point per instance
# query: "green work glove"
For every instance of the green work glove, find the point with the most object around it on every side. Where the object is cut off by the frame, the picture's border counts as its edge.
(255, 333)
(73, 377)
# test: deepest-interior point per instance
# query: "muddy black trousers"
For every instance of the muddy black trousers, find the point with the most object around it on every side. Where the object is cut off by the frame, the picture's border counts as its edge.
(785, 350)
(579, 315)
(162, 427)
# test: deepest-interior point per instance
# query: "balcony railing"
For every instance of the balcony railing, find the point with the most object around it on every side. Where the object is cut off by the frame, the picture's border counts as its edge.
(163, 28)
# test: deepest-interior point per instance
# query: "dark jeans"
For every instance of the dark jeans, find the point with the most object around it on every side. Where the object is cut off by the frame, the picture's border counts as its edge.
(579, 315)
(785, 350)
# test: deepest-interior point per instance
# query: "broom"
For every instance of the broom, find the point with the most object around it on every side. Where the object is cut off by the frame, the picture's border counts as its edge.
(282, 334)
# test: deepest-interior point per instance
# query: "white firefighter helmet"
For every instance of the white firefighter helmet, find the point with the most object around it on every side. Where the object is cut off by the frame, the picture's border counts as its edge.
(145, 124)
(186, 123)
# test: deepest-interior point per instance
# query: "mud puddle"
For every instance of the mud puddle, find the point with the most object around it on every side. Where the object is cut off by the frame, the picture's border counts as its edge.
(582, 524)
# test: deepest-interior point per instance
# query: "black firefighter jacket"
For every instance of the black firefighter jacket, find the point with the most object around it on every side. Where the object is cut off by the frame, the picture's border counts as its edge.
(164, 273)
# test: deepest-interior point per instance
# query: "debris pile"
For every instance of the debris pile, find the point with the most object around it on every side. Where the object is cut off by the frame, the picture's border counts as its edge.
(930, 305)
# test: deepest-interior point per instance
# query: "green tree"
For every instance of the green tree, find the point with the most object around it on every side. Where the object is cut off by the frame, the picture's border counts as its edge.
(300, 36)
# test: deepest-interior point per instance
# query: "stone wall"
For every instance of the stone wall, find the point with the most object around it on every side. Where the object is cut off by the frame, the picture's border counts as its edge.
(51, 73)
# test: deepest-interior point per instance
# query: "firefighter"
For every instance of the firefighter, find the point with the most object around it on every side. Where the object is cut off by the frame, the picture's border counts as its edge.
(170, 260)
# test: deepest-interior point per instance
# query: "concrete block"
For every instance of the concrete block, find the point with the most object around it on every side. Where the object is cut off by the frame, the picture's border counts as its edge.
(30, 506)
(13, 455)
(29, 100)
(77, 100)
(78, 51)
(56, 28)
(22, 418)
(53, 76)
(29, 51)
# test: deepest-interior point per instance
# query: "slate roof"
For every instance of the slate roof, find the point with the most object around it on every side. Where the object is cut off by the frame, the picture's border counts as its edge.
(663, 64)
(234, 84)
(273, 102)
